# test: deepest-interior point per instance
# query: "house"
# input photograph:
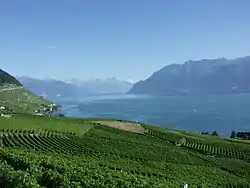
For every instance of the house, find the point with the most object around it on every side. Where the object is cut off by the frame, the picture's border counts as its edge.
(6, 115)
(40, 114)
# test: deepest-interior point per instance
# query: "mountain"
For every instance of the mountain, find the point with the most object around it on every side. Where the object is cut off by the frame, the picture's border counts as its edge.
(6, 78)
(52, 89)
(104, 86)
(206, 75)
(14, 98)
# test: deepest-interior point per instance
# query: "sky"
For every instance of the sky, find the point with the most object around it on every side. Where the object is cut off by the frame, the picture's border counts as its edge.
(83, 39)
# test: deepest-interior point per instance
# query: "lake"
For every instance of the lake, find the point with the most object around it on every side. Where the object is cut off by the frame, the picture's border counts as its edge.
(223, 113)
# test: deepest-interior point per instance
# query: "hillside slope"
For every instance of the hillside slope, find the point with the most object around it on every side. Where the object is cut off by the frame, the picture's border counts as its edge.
(14, 98)
(207, 75)
(52, 89)
(5, 78)
(62, 152)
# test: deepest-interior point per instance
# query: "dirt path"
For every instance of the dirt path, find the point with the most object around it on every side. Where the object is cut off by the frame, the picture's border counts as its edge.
(127, 126)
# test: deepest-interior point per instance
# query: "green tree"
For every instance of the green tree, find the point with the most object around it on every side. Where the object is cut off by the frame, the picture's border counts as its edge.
(5, 78)
(233, 134)
(60, 115)
(215, 133)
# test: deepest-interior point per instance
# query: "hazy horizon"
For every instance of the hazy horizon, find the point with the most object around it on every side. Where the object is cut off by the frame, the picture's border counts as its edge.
(112, 77)
(127, 40)
(73, 79)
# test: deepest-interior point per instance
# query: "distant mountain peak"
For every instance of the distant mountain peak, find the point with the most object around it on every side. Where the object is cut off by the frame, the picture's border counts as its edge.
(75, 87)
(130, 81)
(104, 79)
(104, 85)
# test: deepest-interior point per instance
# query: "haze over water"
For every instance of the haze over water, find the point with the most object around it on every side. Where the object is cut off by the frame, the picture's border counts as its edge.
(222, 113)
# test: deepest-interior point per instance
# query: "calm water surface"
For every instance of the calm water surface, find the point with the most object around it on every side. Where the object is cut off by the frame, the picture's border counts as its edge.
(223, 113)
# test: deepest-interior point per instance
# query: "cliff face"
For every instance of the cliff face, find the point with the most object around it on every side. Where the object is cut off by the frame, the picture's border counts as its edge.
(215, 75)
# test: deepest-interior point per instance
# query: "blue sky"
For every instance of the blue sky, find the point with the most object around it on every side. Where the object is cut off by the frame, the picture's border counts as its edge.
(128, 39)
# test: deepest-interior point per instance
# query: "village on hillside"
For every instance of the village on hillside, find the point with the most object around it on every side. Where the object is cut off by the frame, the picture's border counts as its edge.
(42, 110)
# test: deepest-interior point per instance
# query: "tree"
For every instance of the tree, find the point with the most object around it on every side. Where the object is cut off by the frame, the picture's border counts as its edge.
(215, 133)
(205, 133)
(6, 78)
(60, 115)
(233, 134)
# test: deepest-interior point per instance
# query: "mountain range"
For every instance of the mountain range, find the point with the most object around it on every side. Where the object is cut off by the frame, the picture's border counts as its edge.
(204, 76)
(52, 89)
(104, 86)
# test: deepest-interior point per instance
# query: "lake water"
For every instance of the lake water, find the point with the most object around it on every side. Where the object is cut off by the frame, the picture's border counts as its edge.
(222, 113)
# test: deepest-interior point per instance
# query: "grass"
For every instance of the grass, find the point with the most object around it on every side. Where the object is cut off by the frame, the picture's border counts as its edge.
(21, 100)
(40, 123)
(68, 152)
(238, 140)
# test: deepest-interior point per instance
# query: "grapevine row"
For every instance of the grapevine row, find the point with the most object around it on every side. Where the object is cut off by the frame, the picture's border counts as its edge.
(239, 151)
(43, 141)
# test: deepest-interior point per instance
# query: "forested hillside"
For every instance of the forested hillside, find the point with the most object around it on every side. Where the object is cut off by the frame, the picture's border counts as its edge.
(5, 78)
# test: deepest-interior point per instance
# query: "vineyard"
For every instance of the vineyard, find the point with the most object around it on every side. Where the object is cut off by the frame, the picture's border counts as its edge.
(62, 152)
(19, 99)
(39, 124)
(217, 147)
(46, 141)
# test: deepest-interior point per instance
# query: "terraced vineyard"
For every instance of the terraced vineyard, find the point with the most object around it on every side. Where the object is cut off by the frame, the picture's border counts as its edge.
(62, 152)
(239, 151)
(216, 147)
(46, 141)
(40, 124)
(20, 100)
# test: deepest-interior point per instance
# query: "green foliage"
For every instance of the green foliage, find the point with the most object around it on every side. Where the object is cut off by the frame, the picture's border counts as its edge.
(215, 133)
(60, 115)
(207, 145)
(10, 178)
(20, 100)
(63, 152)
(233, 134)
(40, 123)
(5, 78)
